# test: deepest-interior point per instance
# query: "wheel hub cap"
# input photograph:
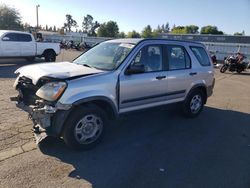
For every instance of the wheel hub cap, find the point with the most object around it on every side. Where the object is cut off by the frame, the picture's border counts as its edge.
(195, 103)
(88, 129)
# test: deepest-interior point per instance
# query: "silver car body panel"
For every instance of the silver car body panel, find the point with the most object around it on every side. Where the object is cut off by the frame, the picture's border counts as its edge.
(98, 85)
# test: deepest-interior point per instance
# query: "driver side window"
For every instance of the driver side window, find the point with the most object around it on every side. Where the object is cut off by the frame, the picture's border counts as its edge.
(150, 57)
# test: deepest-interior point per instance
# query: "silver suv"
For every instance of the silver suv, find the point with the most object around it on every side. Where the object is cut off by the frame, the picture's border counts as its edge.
(75, 100)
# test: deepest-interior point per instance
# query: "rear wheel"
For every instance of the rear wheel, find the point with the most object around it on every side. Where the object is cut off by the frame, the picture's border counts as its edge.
(50, 56)
(85, 127)
(239, 70)
(223, 68)
(194, 103)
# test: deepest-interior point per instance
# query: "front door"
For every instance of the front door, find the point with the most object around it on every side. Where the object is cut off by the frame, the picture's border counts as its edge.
(143, 89)
(10, 46)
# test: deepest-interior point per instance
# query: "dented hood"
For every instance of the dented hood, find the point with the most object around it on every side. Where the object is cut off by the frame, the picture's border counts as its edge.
(60, 70)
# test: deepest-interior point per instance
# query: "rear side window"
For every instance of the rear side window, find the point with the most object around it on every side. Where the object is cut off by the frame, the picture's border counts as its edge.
(24, 38)
(178, 58)
(201, 55)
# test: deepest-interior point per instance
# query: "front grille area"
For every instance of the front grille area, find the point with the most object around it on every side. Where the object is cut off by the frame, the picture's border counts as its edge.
(27, 90)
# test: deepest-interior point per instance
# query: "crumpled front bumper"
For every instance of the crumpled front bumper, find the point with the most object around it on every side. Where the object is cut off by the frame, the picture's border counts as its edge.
(40, 116)
(46, 118)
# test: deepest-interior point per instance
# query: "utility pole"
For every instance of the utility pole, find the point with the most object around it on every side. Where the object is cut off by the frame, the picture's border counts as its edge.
(37, 24)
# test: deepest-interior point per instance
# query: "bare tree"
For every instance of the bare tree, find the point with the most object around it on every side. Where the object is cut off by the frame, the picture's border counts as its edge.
(70, 22)
(89, 26)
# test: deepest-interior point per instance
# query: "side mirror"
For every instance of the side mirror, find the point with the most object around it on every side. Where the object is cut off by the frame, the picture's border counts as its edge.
(135, 69)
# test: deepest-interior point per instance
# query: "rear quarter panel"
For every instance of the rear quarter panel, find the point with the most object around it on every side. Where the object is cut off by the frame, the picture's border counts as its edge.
(205, 74)
(42, 46)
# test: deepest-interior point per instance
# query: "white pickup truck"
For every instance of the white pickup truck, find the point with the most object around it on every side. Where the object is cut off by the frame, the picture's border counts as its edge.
(22, 44)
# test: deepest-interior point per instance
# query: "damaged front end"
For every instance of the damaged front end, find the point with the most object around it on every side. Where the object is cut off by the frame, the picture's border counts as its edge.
(40, 102)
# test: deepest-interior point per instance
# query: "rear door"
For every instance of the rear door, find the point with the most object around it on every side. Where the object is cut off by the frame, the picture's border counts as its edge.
(140, 90)
(28, 46)
(10, 46)
(180, 75)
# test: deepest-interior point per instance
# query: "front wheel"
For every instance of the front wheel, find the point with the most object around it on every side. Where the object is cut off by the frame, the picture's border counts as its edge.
(194, 103)
(223, 68)
(85, 127)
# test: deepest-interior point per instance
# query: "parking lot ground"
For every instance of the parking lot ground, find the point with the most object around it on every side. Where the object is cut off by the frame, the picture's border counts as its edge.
(153, 148)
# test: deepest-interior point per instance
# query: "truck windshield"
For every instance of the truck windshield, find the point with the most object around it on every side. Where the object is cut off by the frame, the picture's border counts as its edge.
(105, 56)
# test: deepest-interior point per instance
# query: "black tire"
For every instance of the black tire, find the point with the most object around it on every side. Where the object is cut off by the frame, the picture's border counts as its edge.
(239, 71)
(30, 59)
(189, 107)
(76, 127)
(223, 68)
(50, 56)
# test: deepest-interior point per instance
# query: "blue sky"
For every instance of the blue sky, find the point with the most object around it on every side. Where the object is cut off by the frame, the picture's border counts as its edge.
(229, 16)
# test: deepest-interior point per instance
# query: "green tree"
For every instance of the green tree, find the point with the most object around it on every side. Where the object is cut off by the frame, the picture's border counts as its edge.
(192, 29)
(211, 30)
(159, 30)
(178, 30)
(70, 22)
(122, 35)
(89, 26)
(165, 28)
(109, 29)
(10, 18)
(147, 32)
(133, 34)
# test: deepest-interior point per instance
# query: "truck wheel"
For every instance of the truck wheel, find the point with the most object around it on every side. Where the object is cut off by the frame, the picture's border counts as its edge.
(50, 56)
(194, 103)
(85, 127)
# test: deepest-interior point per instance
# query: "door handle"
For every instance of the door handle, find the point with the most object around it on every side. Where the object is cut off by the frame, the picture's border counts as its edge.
(160, 77)
(192, 73)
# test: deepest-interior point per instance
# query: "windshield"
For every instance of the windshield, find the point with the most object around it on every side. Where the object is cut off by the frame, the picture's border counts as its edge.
(105, 56)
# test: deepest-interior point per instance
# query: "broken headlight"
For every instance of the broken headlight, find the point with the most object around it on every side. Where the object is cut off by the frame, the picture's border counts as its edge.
(51, 91)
